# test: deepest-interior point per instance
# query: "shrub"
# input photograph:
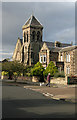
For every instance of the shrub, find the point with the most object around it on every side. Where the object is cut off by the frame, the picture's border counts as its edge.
(27, 71)
(4, 73)
(59, 74)
(15, 74)
(13, 66)
(37, 69)
(51, 68)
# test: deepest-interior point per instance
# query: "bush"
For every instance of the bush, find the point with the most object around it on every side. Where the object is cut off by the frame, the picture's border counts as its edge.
(4, 73)
(37, 69)
(27, 71)
(58, 74)
(13, 66)
(51, 68)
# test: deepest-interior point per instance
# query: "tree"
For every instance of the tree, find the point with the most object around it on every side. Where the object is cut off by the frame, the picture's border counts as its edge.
(51, 68)
(27, 70)
(38, 71)
(13, 67)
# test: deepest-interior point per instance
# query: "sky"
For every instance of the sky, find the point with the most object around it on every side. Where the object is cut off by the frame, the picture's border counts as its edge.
(57, 18)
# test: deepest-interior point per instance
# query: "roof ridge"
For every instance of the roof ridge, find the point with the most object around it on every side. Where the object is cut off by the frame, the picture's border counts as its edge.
(32, 20)
(69, 46)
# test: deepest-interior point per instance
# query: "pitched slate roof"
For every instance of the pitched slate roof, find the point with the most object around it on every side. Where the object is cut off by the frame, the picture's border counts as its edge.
(65, 44)
(33, 21)
(69, 48)
(51, 46)
(57, 49)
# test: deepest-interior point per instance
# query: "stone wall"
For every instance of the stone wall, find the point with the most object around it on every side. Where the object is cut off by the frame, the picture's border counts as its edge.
(24, 78)
(35, 79)
(59, 81)
(72, 64)
(4, 77)
(54, 56)
(44, 51)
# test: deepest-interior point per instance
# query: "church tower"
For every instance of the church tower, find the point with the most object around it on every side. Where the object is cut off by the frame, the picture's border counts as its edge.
(32, 40)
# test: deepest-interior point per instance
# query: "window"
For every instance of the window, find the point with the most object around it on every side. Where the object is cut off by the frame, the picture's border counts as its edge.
(61, 57)
(33, 36)
(67, 57)
(40, 59)
(44, 58)
(38, 36)
(24, 37)
(67, 70)
(27, 36)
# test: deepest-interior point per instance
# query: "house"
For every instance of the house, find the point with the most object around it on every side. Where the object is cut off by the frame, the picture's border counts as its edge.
(68, 55)
(31, 49)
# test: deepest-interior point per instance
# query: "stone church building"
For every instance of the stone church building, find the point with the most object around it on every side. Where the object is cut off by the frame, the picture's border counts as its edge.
(32, 48)
(27, 49)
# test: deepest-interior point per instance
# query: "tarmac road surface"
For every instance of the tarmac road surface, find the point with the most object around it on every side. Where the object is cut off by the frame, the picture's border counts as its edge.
(24, 103)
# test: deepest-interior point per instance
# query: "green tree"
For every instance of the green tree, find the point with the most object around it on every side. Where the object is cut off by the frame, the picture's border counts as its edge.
(38, 71)
(51, 68)
(12, 67)
(27, 70)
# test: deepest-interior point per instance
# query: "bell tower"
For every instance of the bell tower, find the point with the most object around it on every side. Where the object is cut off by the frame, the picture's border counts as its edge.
(32, 40)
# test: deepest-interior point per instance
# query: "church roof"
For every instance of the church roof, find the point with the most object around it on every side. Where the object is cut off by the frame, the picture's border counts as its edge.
(32, 21)
(51, 46)
(65, 44)
(69, 48)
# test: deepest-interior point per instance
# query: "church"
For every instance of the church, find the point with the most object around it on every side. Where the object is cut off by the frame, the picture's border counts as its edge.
(28, 48)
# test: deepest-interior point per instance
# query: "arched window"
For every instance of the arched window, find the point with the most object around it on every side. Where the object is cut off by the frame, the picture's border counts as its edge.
(24, 37)
(27, 36)
(33, 36)
(38, 36)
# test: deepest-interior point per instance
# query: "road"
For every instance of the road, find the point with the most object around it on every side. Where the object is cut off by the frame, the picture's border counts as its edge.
(24, 103)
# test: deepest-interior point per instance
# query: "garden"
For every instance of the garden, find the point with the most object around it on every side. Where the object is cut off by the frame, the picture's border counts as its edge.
(16, 70)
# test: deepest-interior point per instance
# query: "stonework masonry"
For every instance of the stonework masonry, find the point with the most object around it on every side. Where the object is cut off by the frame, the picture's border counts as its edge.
(31, 49)
(72, 63)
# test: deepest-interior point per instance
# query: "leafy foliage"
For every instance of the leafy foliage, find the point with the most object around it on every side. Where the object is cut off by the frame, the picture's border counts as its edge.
(12, 67)
(27, 70)
(4, 73)
(51, 68)
(59, 74)
(37, 69)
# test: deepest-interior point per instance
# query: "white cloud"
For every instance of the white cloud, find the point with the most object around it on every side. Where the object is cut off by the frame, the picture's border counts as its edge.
(57, 19)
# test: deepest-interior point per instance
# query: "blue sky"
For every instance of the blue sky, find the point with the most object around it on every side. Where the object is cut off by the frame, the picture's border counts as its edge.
(57, 18)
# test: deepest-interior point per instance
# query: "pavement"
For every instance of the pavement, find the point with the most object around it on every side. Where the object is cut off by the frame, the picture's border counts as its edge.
(58, 92)
(55, 91)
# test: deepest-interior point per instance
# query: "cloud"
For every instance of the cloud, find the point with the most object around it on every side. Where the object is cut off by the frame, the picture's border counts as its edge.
(58, 20)
(63, 36)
